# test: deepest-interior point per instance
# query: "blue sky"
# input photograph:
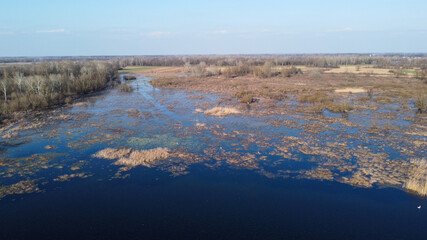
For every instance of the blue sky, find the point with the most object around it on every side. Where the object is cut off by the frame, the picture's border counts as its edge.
(130, 27)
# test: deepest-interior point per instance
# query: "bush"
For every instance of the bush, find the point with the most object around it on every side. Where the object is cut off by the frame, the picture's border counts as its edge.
(291, 71)
(315, 74)
(199, 70)
(421, 104)
(162, 82)
(68, 100)
(339, 107)
(241, 69)
(245, 96)
(213, 70)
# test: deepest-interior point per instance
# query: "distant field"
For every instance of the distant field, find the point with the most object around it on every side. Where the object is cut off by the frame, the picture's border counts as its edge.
(127, 69)
(409, 71)
(364, 69)
(154, 71)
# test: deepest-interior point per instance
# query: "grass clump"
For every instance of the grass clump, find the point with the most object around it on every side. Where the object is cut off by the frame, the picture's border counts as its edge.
(221, 111)
(162, 82)
(316, 108)
(339, 107)
(144, 157)
(112, 153)
(315, 74)
(317, 97)
(421, 104)
(417, 180)
(291, 71)
(245, 96)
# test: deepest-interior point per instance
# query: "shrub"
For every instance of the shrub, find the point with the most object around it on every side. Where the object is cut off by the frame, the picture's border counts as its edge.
(245, 96)
(315, 74)
(162, 82)
(199, 70)
(339, 107)
(291, 71)
(241, 69)
(317, 97)
(421, 104)
(316, 108)
(370, 93)
(68, 100)
(213, 70)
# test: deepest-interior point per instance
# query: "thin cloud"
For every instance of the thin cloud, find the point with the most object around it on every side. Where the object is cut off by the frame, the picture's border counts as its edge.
(6, 33)
(220, 32)
(155, 34)
(346, 29)
(61, 30)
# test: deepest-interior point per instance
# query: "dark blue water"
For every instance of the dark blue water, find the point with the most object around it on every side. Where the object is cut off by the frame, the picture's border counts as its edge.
(213, 199)
(211, 205)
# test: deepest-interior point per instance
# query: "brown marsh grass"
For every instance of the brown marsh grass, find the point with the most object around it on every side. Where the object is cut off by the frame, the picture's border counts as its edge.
(417, 180)
(112, 153)
(221, 111)
(143, 157)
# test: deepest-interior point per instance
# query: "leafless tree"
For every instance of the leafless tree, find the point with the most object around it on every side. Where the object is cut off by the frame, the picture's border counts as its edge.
(19, 78)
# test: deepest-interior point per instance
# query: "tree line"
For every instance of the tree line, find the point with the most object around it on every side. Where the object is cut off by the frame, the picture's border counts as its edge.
(44, 84)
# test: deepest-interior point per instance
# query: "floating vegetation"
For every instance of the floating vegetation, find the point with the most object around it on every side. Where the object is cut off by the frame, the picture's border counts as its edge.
(28, 166)
(221, 111)
(112, 153)
(68, 177)
(417, 180)
(77, 166)
(144, 157)
(26, 186)
(50, 147)
(319, 173)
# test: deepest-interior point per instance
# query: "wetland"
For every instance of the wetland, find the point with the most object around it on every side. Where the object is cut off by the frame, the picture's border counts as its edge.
(185, 152)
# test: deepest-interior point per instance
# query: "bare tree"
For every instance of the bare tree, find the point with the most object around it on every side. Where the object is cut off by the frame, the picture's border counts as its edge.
(4, 85)
(19, 78)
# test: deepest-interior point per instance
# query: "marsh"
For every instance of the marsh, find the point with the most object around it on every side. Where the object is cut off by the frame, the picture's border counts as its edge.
(125, 164)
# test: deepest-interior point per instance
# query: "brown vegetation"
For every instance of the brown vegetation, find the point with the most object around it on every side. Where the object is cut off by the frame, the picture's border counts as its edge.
(26, 186)
(112, 153)
(221, 111)
(143, 157)
(417, 180)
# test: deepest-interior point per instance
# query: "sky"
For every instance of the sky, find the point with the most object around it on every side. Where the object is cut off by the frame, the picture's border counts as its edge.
(131, 27)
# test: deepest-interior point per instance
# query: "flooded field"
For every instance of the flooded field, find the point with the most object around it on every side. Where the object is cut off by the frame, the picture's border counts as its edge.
(178, 164)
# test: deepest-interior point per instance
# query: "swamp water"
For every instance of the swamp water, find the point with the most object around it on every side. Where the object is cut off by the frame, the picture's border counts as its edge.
(241, 176)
